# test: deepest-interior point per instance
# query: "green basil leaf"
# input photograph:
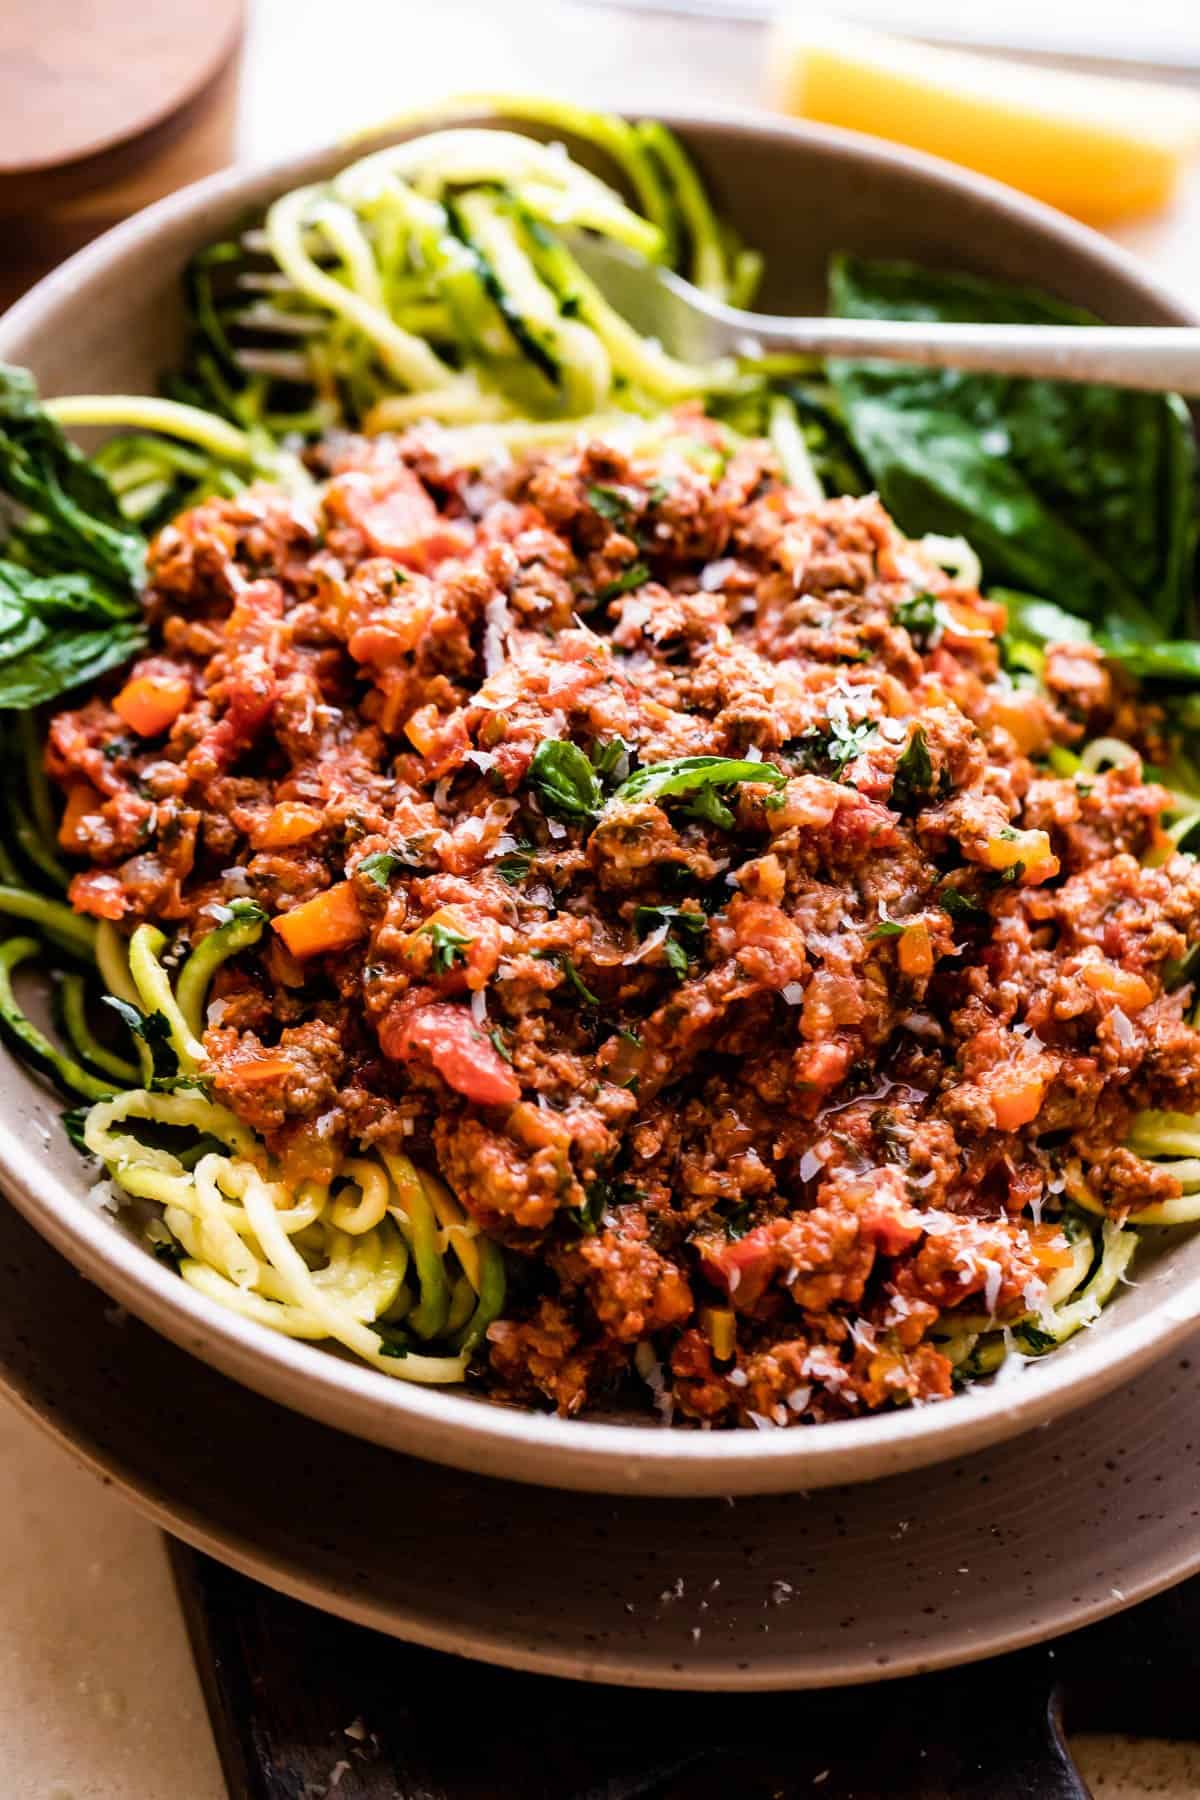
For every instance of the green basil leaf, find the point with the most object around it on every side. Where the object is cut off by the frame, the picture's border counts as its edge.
(73, 519)
(565, 780)
(695, 774)
(1071, 489)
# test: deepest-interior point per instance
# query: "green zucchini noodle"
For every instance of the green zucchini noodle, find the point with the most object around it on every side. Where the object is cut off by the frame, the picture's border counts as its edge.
(320, 1262)
(1073, 1300)
(428, 281)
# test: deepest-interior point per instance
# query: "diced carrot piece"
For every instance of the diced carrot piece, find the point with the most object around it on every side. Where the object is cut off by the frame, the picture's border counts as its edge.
(422, 729)
(150, 704)
(1130, 991)
(264, 1069)
(962, 623)
(1016, 1098)
(914, 952)
(1021, 715)
(288, 823)
(1029, 848)
(1050, 1246)
(330, 921)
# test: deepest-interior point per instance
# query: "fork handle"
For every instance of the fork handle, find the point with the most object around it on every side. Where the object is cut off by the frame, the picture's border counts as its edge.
(1158, 358)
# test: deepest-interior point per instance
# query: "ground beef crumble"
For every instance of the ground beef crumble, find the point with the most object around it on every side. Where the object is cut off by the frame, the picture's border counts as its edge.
(750, 1102)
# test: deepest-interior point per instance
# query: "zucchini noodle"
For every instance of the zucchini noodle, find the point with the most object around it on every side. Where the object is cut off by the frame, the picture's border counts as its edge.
(327, 1262)
(426, 281)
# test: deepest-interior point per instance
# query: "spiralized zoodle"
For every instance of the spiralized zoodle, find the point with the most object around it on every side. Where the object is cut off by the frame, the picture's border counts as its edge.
(433, 283)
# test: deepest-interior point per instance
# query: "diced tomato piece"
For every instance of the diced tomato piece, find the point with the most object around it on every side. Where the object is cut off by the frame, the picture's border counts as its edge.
(890, 1230)
(99, 894)
(741, 1266)
(449, 1039)
(396, 516)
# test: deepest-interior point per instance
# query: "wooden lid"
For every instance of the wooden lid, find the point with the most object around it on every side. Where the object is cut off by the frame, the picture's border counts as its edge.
(83, 81)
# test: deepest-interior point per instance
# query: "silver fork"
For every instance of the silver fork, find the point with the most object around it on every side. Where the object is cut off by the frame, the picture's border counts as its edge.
(694, 326)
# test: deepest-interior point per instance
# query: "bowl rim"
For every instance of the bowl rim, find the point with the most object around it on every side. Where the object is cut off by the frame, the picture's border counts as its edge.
(445, 1424)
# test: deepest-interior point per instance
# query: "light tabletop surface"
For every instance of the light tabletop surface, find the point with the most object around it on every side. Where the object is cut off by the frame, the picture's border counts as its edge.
(98, 1699)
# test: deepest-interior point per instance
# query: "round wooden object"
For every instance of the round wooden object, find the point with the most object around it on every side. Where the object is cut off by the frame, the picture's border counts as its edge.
(106, 105)
(88, 87)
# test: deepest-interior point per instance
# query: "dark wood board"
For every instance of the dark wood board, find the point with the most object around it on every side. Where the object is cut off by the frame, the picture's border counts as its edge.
(300, 1700)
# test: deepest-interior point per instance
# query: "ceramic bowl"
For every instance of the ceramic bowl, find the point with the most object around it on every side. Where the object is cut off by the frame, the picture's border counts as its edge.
(110, 320)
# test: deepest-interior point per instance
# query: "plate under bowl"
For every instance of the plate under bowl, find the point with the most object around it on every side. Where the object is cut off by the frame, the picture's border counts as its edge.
(110, 320)
(1027, 1540)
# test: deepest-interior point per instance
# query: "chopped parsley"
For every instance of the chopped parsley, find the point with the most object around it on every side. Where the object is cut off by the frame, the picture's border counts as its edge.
(829, 751)
(612, 503)
(595, 1203)
(380, 867)
(737, 1221)
(633, 577)
(574, 978)
(886, 928)
(599, 1196)
(499, 1045)
(449, 946)
(913, 783)
(576, 981)
(515, 865)
(961, 906)
(685, 933)
(919, 616)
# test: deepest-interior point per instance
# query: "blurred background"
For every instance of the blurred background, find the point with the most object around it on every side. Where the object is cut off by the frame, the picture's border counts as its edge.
(1090, 104)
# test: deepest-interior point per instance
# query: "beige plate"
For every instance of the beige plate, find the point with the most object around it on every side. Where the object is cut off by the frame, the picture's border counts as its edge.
(1024, 1541)
(109, 319)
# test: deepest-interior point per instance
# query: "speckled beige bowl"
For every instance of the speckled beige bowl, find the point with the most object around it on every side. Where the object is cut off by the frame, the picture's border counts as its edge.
(109, 319)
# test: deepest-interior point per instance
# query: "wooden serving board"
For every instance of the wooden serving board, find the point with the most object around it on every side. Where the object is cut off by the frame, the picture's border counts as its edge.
(305, 1706)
